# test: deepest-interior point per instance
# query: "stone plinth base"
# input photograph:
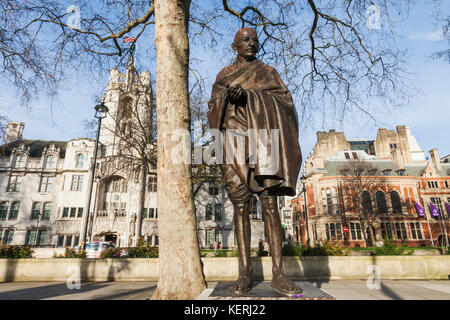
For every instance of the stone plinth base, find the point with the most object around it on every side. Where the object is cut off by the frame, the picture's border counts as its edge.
(262, 290)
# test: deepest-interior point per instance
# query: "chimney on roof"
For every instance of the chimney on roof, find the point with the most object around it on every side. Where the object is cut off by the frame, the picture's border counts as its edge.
(435, 158)
(14, 131)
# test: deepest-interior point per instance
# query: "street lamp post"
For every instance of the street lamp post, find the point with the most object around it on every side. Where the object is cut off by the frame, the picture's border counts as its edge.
(303, 181)
(100, 113)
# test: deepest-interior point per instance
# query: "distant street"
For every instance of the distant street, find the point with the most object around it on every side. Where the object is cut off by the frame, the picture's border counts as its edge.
(339, 289)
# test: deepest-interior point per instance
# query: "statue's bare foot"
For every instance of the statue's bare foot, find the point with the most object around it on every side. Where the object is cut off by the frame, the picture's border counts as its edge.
(283, 285)
(243, 284)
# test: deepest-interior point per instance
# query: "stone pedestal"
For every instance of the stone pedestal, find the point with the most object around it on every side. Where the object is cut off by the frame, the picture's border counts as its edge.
(262, 290)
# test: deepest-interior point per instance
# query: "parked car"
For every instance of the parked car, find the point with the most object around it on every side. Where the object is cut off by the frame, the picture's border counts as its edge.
(94, 249)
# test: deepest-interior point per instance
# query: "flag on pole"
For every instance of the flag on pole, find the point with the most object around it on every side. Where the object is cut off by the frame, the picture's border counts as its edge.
(129, 44)
(420, 210)
(129, 40)
(447, 205)
(434, 211)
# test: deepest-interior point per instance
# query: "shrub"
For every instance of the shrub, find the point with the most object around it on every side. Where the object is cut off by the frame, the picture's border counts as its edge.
(15, 252)
(72, 253)
(290, 250)
(221, 253)
(389, 248)
(143, 249)
(335, 249)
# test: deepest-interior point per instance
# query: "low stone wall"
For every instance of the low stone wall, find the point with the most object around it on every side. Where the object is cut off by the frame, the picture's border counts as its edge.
(226, 269)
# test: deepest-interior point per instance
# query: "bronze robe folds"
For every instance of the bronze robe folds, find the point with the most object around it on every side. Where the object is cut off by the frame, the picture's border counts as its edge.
(268, 106)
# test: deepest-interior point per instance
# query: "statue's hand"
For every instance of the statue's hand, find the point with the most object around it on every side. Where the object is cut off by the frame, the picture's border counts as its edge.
(236, 93)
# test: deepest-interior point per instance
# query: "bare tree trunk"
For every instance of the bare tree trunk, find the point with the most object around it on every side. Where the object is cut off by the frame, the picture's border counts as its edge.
(181, 275)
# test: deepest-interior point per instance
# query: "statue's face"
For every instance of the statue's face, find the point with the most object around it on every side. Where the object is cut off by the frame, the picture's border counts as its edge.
(246, 43)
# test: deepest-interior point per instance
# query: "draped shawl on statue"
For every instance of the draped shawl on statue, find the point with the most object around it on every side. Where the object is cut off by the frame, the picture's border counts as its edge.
(269, 106)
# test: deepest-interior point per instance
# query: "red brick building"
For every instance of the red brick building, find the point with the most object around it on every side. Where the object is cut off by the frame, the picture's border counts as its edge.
(379, 203)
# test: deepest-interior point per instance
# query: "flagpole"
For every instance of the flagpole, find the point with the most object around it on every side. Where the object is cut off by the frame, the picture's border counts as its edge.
(429, 228)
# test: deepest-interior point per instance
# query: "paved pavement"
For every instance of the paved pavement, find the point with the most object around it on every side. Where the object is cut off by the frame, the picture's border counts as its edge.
(339, 289)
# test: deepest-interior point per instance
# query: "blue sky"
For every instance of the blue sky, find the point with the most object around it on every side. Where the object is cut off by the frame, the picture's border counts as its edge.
(427, 114)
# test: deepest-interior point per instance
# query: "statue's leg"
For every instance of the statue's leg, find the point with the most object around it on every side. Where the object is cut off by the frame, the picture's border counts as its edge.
(240, 197)
(243, 235)
(273, 229)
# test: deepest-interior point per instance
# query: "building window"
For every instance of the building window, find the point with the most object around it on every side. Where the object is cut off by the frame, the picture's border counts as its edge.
(209, 209)
(366, 202)
(217, 212)
(416, 232)
(396, 202)
(144, 213)
(8, 237)
(387, 172)
(46, 184)
(355, 230)
(14, 184)
(80, 161)
(77, 183)
(73, 212)
(381, 202)
(208, 237)
(60, 242)
(218, 235)
(333, 231)
(446, 184)
(393, 145)
(401, 172)
(329, 202)
(4, 205)
(65, 212)
(50, 163)
(400, 231)
(437, 202)
(80, 212)
(347, 156)
(69, 241)
(386, 230)
(76, 240)
(30, 238)
(42, 237)
(14, 212)
(35, 210)
(213, 189)
(433, 184)
(47, 211)
(152, 184)
(151, 213)
(20, 161)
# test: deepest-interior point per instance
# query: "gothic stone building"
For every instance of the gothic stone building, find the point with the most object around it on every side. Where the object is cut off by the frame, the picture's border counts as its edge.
(405, 178)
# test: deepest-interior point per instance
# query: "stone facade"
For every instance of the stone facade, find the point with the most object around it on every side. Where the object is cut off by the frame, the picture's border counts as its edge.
(407, 178)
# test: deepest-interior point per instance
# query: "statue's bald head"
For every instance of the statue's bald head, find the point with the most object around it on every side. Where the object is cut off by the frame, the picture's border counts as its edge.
(240, 33)
(246, 44)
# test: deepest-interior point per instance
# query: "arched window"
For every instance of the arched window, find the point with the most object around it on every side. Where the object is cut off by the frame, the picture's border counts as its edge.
(381, 202)
(366, 201)
(80, 160)
(396, 203)
(50, 162)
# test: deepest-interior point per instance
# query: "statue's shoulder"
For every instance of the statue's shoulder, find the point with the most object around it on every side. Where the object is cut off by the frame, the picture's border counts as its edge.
(266, 67)
(224, 72)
